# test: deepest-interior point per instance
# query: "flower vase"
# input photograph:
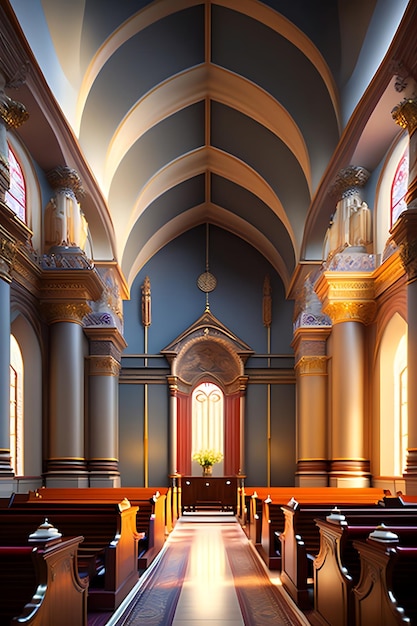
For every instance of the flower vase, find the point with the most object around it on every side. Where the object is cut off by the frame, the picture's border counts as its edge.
(207, 470)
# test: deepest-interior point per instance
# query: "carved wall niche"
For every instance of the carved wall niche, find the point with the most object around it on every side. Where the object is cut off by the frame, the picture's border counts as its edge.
(207, 350)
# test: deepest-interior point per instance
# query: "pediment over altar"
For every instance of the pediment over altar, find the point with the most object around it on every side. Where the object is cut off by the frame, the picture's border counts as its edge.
(208, 350)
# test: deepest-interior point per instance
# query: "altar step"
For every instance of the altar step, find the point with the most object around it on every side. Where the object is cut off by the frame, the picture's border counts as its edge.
(208, 516)
(209, 505)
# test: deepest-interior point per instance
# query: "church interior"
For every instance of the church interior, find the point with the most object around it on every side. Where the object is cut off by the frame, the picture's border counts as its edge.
(208, 243)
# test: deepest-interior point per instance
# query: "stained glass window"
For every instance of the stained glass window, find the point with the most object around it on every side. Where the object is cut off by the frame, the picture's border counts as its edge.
(399, 189)
(16, 195)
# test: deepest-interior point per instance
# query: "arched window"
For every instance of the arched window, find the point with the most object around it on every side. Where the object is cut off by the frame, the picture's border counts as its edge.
(399, 188)
(16, 407)
(207, 420)
(16, 195)
(401, 404)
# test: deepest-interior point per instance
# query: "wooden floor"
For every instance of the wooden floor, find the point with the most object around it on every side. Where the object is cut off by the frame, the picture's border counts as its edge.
(208, 595)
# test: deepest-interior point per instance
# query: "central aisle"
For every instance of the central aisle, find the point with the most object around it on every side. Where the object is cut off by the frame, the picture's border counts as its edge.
(208, 574)
(208, 595)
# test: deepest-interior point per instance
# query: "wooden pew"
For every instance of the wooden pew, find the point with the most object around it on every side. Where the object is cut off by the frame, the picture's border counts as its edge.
(300, 541)
(265, 521)
(40, 584)
(153, 518)
(337, 569)
(386, 592)
(109, 554)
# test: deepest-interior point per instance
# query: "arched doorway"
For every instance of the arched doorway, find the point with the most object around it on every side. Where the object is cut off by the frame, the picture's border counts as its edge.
(207, 422)
(207, 352)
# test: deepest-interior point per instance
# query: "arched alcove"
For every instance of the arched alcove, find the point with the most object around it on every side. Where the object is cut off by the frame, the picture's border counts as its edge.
(392, 361)
(28, 342)
(207, 352)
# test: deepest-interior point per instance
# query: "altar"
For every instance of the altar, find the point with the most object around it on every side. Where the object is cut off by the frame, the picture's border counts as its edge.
(209, 493)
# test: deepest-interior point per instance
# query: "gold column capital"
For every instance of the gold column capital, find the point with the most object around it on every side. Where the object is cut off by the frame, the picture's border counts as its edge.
(63, 177)
(404, 233)
(173, 385)
(65, 311)
(349, 179)
(347, 296)
(103, 366)
(405, 114)
(311, 365)
(12, 113)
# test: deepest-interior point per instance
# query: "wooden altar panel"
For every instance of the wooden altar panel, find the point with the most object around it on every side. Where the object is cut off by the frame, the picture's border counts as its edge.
(202, 493)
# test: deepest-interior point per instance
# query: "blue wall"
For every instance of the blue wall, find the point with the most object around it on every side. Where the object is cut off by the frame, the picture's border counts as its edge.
(176, 304)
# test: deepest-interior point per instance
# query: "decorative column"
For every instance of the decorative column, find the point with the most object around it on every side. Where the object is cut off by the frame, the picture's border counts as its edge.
(404, 234)
(106, 346)
(348, 299)
(311, 330)
(12, 231)
(66, 464)
(173, 394)
(69, 282)
(242, 406)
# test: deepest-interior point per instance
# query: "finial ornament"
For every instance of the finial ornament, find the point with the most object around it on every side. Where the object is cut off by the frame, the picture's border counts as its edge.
(267, 302)
(146, 302)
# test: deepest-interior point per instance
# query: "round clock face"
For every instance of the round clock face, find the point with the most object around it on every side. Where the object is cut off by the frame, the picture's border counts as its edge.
(206, 282)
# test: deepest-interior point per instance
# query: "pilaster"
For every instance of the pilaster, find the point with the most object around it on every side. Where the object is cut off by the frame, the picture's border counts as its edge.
(348, 299)
(68, 283)
(311, 390)
(106, 345)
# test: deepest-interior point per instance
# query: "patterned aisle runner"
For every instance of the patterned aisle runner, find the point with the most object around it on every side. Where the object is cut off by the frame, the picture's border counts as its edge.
(262, 603)
(155, 602)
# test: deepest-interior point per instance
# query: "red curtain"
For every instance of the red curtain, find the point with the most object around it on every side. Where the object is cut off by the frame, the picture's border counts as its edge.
(232, 434)
(184, 428)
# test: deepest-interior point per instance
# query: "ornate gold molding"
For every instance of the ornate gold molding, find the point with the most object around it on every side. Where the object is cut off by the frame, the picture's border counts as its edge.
(103, 366)
(311, 366)
(363, 312)
(347, 297)
(405, 114)
(64, 311)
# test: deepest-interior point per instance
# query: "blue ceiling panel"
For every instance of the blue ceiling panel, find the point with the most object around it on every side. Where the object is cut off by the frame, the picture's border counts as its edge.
(168, 47)
(255, 145)
(250, 208)
(170, 139)
(258, 53)
(165, 208)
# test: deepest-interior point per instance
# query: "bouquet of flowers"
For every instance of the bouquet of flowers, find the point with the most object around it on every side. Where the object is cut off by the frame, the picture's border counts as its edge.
(206, 458)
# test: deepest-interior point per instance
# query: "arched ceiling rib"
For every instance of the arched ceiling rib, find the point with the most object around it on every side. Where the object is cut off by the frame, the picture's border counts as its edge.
(219, 110)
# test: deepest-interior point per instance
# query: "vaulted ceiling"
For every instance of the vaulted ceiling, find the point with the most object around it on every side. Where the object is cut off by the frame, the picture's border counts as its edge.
(233, 112)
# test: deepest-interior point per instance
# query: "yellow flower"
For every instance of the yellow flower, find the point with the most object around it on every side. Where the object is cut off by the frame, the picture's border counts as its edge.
(207, 457)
